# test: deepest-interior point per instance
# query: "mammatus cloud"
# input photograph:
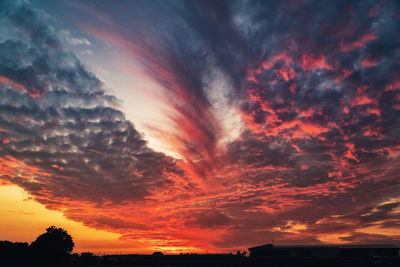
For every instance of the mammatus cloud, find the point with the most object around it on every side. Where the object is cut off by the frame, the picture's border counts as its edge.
(317, 92)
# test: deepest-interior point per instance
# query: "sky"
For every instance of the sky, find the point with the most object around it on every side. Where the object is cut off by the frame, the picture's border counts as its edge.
(200, 126)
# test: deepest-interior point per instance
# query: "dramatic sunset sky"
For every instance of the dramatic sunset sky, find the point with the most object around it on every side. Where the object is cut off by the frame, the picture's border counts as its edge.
(200, 126)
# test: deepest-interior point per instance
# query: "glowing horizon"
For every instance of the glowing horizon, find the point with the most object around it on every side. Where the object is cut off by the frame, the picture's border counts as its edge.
(193, 126)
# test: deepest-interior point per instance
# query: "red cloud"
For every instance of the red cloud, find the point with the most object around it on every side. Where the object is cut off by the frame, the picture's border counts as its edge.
(317, 154)
(310, 62)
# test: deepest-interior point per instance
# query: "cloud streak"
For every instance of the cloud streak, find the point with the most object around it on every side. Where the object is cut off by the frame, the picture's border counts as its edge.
(316, 92)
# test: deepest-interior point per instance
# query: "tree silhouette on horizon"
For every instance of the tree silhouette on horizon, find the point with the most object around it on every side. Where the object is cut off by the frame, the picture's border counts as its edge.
(54, 245)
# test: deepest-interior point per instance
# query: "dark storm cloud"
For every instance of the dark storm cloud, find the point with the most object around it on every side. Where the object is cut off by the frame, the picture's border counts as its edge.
(56, 116)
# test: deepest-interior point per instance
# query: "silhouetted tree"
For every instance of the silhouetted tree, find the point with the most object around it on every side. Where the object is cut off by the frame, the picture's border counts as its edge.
(53, 246)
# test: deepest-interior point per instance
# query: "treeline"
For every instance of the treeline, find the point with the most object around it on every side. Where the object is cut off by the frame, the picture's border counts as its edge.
(54, 246)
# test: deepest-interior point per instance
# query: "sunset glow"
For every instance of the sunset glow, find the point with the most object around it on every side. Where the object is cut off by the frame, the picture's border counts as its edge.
(200, 126)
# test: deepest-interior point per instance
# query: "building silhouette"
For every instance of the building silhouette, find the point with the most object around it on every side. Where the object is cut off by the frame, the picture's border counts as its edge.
(324, 251)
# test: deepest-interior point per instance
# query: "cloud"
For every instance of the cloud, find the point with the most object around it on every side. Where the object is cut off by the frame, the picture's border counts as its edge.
(73, 40)
(210, 219)
(366, 238)
(57, 119)
(313, 85)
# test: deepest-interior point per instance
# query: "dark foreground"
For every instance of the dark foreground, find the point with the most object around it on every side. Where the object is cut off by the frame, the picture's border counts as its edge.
(216, 260)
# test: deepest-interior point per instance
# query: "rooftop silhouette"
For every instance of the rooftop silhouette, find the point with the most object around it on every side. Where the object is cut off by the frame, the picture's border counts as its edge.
(55, 246)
